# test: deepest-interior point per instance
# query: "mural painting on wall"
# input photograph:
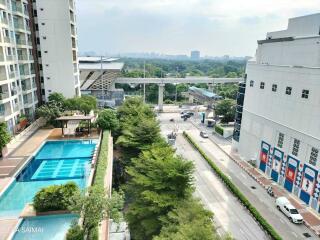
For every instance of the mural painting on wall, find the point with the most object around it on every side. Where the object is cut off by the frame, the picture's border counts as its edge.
(307, 183)
(264, 155)
(276, 164)
(291, 170)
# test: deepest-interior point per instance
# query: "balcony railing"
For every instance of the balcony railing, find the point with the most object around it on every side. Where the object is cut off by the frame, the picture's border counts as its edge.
(16, 108)
(4, 95)
(17, 9)
(18, 25)
(12, 74)
(26, 87)
(6, 39)
(21, 41)
(22, 57)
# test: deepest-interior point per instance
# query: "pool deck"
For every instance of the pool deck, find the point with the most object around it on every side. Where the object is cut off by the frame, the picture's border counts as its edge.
(19, 152)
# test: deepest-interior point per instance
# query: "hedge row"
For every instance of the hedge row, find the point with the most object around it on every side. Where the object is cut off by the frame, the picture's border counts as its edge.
(102, 162)
(219, 129)
(230, 185)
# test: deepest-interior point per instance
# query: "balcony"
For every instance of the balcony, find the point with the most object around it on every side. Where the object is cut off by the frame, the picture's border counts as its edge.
(6, 39)
(16, 108)
(18, 26)
(26, 87)
(4, 95)
(21, 42)
(22, 57)
(17, 9)
(12, 75)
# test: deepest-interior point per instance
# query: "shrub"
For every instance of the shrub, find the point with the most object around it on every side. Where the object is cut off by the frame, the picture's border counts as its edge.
(55, 197)
(75, 233)
(219, 129)
(230, 185)
(102, 162)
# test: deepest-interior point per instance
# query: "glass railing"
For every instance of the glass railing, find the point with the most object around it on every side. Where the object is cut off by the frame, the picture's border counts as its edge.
(17, 9)
(22, 57)
(12, 75)
(18, 25)
(21, 41)
(6, 39)
(4, 95)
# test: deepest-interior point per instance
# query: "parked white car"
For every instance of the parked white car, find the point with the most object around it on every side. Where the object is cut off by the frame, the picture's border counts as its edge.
(289, 210)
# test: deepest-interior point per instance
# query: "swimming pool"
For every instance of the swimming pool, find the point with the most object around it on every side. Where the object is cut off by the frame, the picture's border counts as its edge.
(57, 162)
(52, 227)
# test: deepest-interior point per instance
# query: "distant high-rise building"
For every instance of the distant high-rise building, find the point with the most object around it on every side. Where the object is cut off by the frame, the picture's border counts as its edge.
(57, 50)
(195, 55)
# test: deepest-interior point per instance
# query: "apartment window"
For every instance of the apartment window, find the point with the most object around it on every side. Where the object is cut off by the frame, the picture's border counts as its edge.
(262, 85)
(313, 156)
(35, 13)
(43, 92)
(37, 27)
(45, 51)
(280, 140)
(305, 94)
(251, 83)
(40, 66)
(41, 9)
(48, 78)
(43, 24)
(44, 37)
(288, 90)
(42, 79)
(39, 54)
(296, 145)
(47, 65)
(38, 40)
(274, 87)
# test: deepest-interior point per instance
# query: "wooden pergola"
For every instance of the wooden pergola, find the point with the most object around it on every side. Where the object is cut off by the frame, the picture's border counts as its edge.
(65, 119)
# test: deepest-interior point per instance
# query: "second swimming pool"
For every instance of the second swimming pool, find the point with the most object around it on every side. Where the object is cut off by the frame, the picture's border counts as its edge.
(57, 162)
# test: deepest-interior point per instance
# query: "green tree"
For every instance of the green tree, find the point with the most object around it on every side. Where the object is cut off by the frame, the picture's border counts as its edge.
(231, 75)
(86, 103)
(96, 206)
(4, 136)
(159, 181)
(226, 108)
(188, 221)
(57, 99)
(71, 104)
(50, 112)
(107, 120)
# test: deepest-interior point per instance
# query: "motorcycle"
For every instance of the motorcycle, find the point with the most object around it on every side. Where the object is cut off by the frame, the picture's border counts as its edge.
(270, 191)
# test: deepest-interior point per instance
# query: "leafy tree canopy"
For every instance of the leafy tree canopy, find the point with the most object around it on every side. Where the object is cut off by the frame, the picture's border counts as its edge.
(107, 120)
(159, 181)
(226, 108)
(4, 135)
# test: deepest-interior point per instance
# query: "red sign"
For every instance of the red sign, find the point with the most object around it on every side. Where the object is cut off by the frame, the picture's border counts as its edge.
(290, 174)
(263, 157)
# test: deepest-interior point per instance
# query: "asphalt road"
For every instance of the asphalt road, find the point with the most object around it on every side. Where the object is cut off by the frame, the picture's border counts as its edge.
(230, 216)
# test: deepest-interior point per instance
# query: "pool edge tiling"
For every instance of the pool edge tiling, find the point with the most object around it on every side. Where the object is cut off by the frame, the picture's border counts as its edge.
(24, 185)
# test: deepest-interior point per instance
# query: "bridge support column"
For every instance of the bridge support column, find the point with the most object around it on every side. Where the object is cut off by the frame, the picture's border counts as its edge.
(160, 97)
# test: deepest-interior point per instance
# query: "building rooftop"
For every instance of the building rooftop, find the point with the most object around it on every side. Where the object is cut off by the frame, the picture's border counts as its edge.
(204, 92)
(96, 59)
(97, 66)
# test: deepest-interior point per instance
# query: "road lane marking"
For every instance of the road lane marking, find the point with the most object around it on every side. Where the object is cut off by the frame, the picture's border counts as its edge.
(281, 220)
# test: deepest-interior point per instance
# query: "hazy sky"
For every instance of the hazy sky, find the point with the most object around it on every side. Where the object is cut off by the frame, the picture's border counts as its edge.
(215, 27)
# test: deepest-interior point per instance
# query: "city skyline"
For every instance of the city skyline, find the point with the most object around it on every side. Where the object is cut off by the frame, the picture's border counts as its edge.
(177, 27)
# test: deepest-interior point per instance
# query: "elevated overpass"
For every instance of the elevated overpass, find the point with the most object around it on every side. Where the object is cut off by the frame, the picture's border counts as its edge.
(172, 80)
(162, 81)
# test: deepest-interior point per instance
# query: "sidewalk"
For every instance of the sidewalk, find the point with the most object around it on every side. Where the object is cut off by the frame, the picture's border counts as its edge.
(311, 219)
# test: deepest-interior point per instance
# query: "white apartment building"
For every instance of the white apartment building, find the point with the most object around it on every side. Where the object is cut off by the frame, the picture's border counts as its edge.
(18, 94)
(56, 34)
(280, 121)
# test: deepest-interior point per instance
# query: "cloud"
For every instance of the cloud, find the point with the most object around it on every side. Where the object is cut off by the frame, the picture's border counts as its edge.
(215, 27)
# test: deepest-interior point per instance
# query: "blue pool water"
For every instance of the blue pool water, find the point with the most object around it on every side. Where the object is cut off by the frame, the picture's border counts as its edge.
(57, 162)
(52, 227)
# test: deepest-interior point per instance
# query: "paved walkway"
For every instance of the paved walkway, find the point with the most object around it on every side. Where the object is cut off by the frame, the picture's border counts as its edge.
(312, 219)
(20, 151)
